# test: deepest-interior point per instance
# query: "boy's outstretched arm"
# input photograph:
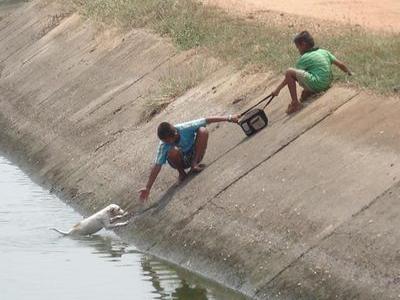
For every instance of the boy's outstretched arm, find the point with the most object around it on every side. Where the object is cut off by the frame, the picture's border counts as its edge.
(342, 66)
(279, 88)
(144, 193)
(230, 118)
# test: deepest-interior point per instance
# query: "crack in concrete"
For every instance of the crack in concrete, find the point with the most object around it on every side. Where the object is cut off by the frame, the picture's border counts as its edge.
(41, 102)
(22, 47)
(333, 232)
(184, 222)
(119, 92)
(367, 206)
(284, 145)
(105, 144)
(216, 205)
(38, 52)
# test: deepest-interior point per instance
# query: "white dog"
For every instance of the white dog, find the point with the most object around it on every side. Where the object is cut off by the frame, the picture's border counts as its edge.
(102, 219)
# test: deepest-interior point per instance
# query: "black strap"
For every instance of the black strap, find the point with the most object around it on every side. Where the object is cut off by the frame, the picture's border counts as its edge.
(269, 97)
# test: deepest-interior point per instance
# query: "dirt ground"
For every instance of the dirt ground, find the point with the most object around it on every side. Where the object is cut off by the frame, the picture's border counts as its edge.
(383, 15)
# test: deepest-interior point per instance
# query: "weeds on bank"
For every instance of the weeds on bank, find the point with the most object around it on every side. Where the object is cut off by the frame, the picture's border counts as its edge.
(171, 88)
(174, 85)
(374, 58)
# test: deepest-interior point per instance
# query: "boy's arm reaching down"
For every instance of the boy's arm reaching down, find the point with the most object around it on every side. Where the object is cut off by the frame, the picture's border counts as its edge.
(144, 193)
(194, 125)
(342, 66)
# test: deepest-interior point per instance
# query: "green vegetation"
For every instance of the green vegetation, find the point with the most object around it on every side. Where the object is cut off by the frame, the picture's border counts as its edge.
(175, 85)
(373, 57)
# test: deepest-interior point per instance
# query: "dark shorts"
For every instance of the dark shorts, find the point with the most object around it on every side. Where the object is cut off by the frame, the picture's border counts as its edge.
(187, 159)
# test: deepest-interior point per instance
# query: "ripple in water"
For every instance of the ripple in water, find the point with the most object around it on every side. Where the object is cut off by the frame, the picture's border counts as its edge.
(37, 263)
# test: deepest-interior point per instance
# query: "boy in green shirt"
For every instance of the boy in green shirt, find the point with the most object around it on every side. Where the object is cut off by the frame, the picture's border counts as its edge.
(313, 71)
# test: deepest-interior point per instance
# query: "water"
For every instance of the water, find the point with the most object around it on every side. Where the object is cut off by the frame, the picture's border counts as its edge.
(37, 263)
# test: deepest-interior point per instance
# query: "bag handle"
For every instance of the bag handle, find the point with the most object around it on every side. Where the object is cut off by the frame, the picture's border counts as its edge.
(269, 97)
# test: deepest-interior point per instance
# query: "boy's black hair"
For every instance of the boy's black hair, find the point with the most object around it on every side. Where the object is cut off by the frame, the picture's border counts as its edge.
(304, 37)
(165, 130)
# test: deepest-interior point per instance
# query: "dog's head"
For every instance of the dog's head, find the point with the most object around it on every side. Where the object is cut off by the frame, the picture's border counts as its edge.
(115, 210)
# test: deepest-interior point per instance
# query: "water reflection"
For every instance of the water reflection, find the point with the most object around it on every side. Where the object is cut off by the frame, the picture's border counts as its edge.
(51, 266)
(105, 246)
(167, 283)
(186, 292)
(182, 290)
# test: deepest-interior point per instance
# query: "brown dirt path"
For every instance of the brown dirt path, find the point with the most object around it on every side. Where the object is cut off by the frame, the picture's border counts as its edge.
(383, 15)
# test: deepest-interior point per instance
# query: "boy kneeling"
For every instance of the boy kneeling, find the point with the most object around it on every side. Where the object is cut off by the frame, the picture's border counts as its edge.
(183, 146)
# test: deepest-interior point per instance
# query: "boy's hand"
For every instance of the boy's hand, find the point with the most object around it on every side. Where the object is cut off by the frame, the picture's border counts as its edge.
(144, 194)
(234, 118)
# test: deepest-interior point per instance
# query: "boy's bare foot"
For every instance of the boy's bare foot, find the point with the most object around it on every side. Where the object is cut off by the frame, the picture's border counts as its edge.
(197, 168)
(182, 177)
(305, 95)
(294, 107)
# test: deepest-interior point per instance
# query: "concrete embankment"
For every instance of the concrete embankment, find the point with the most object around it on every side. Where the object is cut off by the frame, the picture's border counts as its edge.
(307, 209)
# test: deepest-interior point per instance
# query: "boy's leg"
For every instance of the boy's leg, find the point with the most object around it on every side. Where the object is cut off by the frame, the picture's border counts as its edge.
(302, 81)
(291, 80)
(175, 159)
(200, 147)
(305, 94)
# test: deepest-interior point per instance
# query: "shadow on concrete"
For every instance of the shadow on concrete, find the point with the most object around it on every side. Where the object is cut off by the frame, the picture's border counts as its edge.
(165, 199)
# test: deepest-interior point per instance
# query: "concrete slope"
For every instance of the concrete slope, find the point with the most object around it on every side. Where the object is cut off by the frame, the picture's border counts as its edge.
(306, 209)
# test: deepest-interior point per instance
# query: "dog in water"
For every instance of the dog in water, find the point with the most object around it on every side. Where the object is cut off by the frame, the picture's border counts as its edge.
(104, 218)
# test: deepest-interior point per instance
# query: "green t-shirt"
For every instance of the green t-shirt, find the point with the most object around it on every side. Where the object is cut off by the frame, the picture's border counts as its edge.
(318, 65)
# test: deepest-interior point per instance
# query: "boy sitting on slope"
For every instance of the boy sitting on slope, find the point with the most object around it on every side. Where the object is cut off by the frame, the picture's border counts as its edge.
(313, 71)
(183, 146)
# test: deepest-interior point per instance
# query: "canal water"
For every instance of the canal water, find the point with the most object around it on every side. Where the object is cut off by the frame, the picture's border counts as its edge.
(37, 263)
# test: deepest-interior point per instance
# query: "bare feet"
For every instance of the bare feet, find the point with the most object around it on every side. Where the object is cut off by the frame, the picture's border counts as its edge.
(197, 168)
(305, 95)
(294, 107)
(182, 177)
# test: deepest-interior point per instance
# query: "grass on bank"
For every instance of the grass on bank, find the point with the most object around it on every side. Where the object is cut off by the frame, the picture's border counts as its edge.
(171, 88)
(174, 85)
(373, 57)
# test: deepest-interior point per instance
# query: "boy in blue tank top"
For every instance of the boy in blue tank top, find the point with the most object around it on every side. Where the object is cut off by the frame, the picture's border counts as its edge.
(182, 146)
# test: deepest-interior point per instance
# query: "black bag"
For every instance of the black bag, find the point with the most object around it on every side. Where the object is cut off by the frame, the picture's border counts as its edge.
(254, 119)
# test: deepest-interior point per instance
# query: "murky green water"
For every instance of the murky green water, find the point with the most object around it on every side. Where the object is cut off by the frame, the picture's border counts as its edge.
(37, 263)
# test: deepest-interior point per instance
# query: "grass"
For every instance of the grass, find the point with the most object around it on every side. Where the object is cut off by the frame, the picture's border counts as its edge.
(373, 57)
(175, 84)
(171, 88)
